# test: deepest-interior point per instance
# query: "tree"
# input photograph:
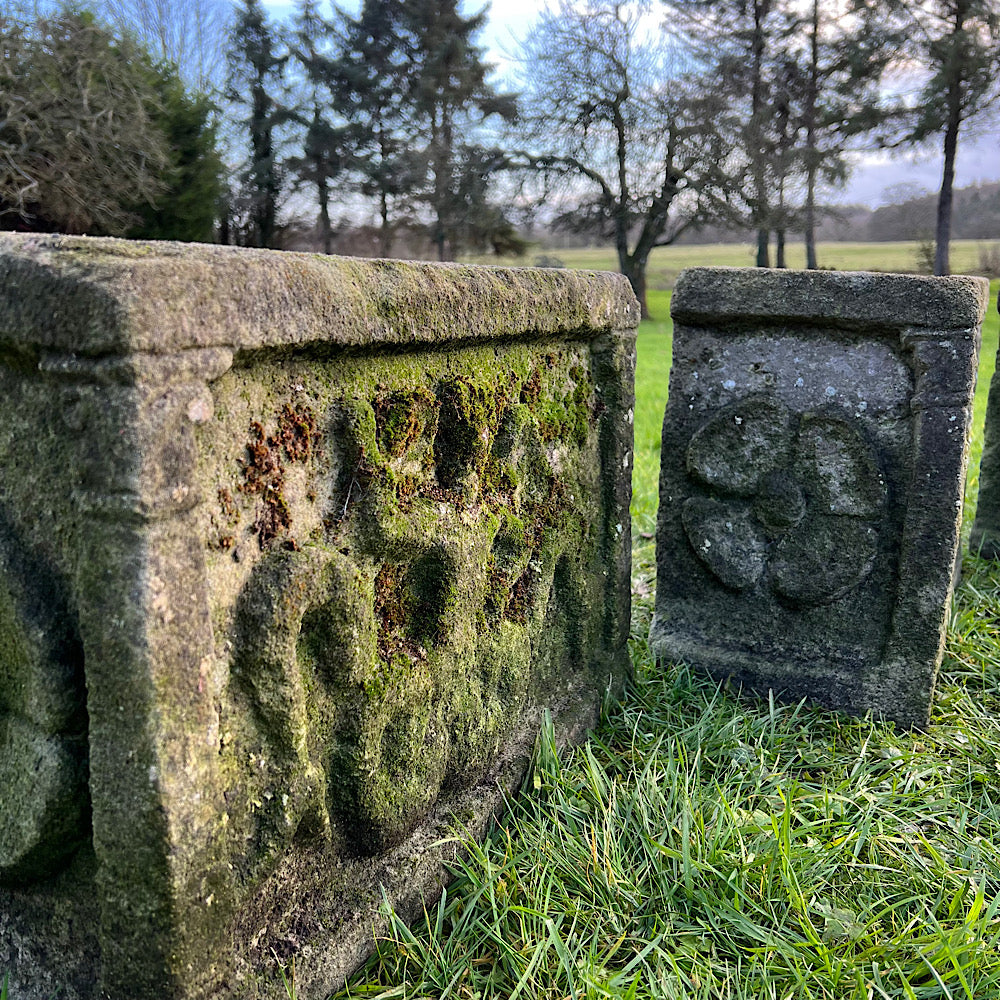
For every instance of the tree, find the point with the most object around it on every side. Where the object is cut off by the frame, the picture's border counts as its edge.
(373, 89)
(394, 99)
(643, 151)
(839, 59)
(187, 207)
(324, 143)
(191, 35)
(450, 98)
(958, 43)
(80, 146)
(256, 70)
(741, 44)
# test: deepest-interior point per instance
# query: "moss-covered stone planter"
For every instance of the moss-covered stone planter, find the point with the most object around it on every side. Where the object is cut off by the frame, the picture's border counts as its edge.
(294, 551)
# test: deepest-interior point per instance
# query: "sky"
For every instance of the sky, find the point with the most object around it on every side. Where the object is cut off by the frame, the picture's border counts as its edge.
(873, 175)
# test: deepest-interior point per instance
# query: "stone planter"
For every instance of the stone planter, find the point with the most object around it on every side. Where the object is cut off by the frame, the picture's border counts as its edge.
(294, 552)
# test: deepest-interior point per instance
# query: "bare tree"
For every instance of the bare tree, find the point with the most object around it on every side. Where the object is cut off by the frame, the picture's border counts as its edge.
(79, 147)
(743, 45)
(643, 151)
(193, 35)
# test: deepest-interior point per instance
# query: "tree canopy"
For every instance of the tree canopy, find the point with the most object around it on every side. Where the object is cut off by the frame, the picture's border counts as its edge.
(957, 45)
(642, 149)
(96, 137)
(79, 146)
(637, 121)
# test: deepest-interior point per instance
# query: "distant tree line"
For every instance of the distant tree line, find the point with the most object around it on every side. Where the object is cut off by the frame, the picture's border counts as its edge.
(908, 213)
(975, 216)
(637, 123)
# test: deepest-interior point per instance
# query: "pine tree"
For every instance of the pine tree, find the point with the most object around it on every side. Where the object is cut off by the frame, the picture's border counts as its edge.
(374, 91)
(325, 147)
(451, 98)
(256, 71)
(187, 208)
(958, 44)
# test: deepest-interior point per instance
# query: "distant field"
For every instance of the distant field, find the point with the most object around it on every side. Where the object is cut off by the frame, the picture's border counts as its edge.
(667, 262)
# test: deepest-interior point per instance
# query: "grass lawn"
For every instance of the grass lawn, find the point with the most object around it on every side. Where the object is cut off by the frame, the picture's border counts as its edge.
(665, 263)
(703, 846)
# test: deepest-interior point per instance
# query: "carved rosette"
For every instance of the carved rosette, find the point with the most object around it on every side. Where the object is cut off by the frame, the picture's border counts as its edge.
(784, 500)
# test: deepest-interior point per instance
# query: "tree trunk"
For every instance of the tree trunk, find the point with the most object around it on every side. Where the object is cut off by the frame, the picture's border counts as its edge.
(942, 235)
(635, 271)
(809, 215)
(809, 218)
(384, 232)
(225, 220)
(761, 211)
(324, 216)
(942, 239)
(763, 251)
(779, 250)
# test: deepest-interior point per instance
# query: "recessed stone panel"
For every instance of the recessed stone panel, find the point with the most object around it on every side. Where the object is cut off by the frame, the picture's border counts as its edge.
(294, 553)
(812, 467)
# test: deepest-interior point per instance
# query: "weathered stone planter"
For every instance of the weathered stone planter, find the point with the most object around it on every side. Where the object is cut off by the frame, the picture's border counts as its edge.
(813, 464)
(293, 553)
(985, 538)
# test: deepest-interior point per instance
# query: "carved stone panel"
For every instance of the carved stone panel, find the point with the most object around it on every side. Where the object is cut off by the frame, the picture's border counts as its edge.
(294, 553)
(812, 467)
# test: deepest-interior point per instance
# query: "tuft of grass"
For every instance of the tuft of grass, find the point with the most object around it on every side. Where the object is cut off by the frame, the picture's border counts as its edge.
(287, 973)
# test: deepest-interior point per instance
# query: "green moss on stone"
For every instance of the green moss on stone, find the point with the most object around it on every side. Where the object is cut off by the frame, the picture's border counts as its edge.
(401, 417)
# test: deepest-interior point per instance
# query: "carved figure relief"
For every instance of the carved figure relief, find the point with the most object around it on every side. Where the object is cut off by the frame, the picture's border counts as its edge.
(390, 657)
(784, 500)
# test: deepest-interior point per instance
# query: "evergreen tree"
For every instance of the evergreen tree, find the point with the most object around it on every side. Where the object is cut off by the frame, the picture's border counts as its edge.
(451, 98)
(394, 98)
(256, 72)
(324, 137)
(187, 207)
(372, 84)
(958, 44)
(805, 80)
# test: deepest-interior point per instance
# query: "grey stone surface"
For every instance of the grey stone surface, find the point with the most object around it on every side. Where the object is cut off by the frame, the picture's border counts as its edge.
(812, 470)
(294, 552)
(985, 538)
